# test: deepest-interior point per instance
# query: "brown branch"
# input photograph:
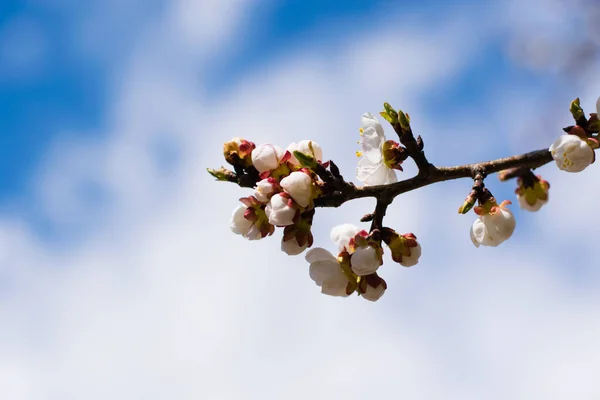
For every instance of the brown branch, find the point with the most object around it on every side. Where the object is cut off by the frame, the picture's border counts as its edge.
(532, 160)
(414, 148)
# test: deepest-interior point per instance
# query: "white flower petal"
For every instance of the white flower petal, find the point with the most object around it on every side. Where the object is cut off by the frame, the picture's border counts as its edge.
(337, 291)
(477, 232)
(299, 186)
(371, 143)
(266, 157)
(369, 121)
(413, 259)
(372, 293)
(571, 153)
(533, 208)
(341, 235)
(374, 174)
(279, 212)
(239, 224)
(319, 254)
(364, 261)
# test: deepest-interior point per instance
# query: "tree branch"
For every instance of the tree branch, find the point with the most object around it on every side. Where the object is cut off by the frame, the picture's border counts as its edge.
(531, 160)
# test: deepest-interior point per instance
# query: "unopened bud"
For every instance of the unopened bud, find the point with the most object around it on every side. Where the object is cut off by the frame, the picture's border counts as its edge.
(576, 110)
(222, 174)
(392, 114)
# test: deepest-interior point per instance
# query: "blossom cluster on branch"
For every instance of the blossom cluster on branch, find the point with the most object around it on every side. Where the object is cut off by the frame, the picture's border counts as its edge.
(289, 184)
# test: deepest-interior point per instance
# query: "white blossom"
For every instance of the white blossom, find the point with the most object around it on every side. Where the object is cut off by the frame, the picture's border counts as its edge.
(365, 260)
(264, 189)
(342, 234)
(571, 153)
(304, 146)
(371, 169)
(327, 272)
(291, 247)
(280, 211)
(491, 229)
(266, 157)
(242, 226)
(299, 186)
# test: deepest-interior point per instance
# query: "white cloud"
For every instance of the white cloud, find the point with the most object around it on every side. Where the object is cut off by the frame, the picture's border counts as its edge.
(161, 301)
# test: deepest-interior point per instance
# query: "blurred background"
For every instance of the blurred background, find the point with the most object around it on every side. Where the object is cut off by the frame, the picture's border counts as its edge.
(120, 278)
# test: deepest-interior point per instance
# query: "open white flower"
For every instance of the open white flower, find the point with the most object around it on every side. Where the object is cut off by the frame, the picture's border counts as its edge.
(299, 186)
(571, 153)
(327, 272)
(494, 227)
(280, 210)
(342, 234)
(266, 157)
(308, 147)
(371, 168)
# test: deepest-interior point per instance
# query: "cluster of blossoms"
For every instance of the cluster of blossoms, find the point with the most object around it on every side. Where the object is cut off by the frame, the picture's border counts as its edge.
(360, 254)
(287, 183)
(283, 195)
(285, 186)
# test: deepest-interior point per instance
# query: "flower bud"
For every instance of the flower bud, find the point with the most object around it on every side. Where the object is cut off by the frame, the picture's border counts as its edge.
(372, 287)
(298, 237)
(222, 174)
(250, 220)
(267, 157)
(571, 153)
(242, 226)
(280, 211)
(532, 192)
(576, 110)
(393, 154)
(365, 260)
(307, 147)
(291, 247)
(238, 152)
(405, 248)
(299, 186)
(265, 188)
(494, 225)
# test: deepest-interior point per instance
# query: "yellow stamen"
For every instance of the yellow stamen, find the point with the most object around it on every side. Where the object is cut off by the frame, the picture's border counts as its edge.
(359, 154)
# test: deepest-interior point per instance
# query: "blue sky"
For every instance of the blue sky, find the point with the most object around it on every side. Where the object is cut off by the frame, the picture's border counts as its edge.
(120, 278)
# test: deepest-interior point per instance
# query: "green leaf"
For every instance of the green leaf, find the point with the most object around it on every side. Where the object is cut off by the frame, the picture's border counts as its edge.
(386, 117)
(305, 160)
(403, 120)
(576, 110)
(467, 206)
(391, 113)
